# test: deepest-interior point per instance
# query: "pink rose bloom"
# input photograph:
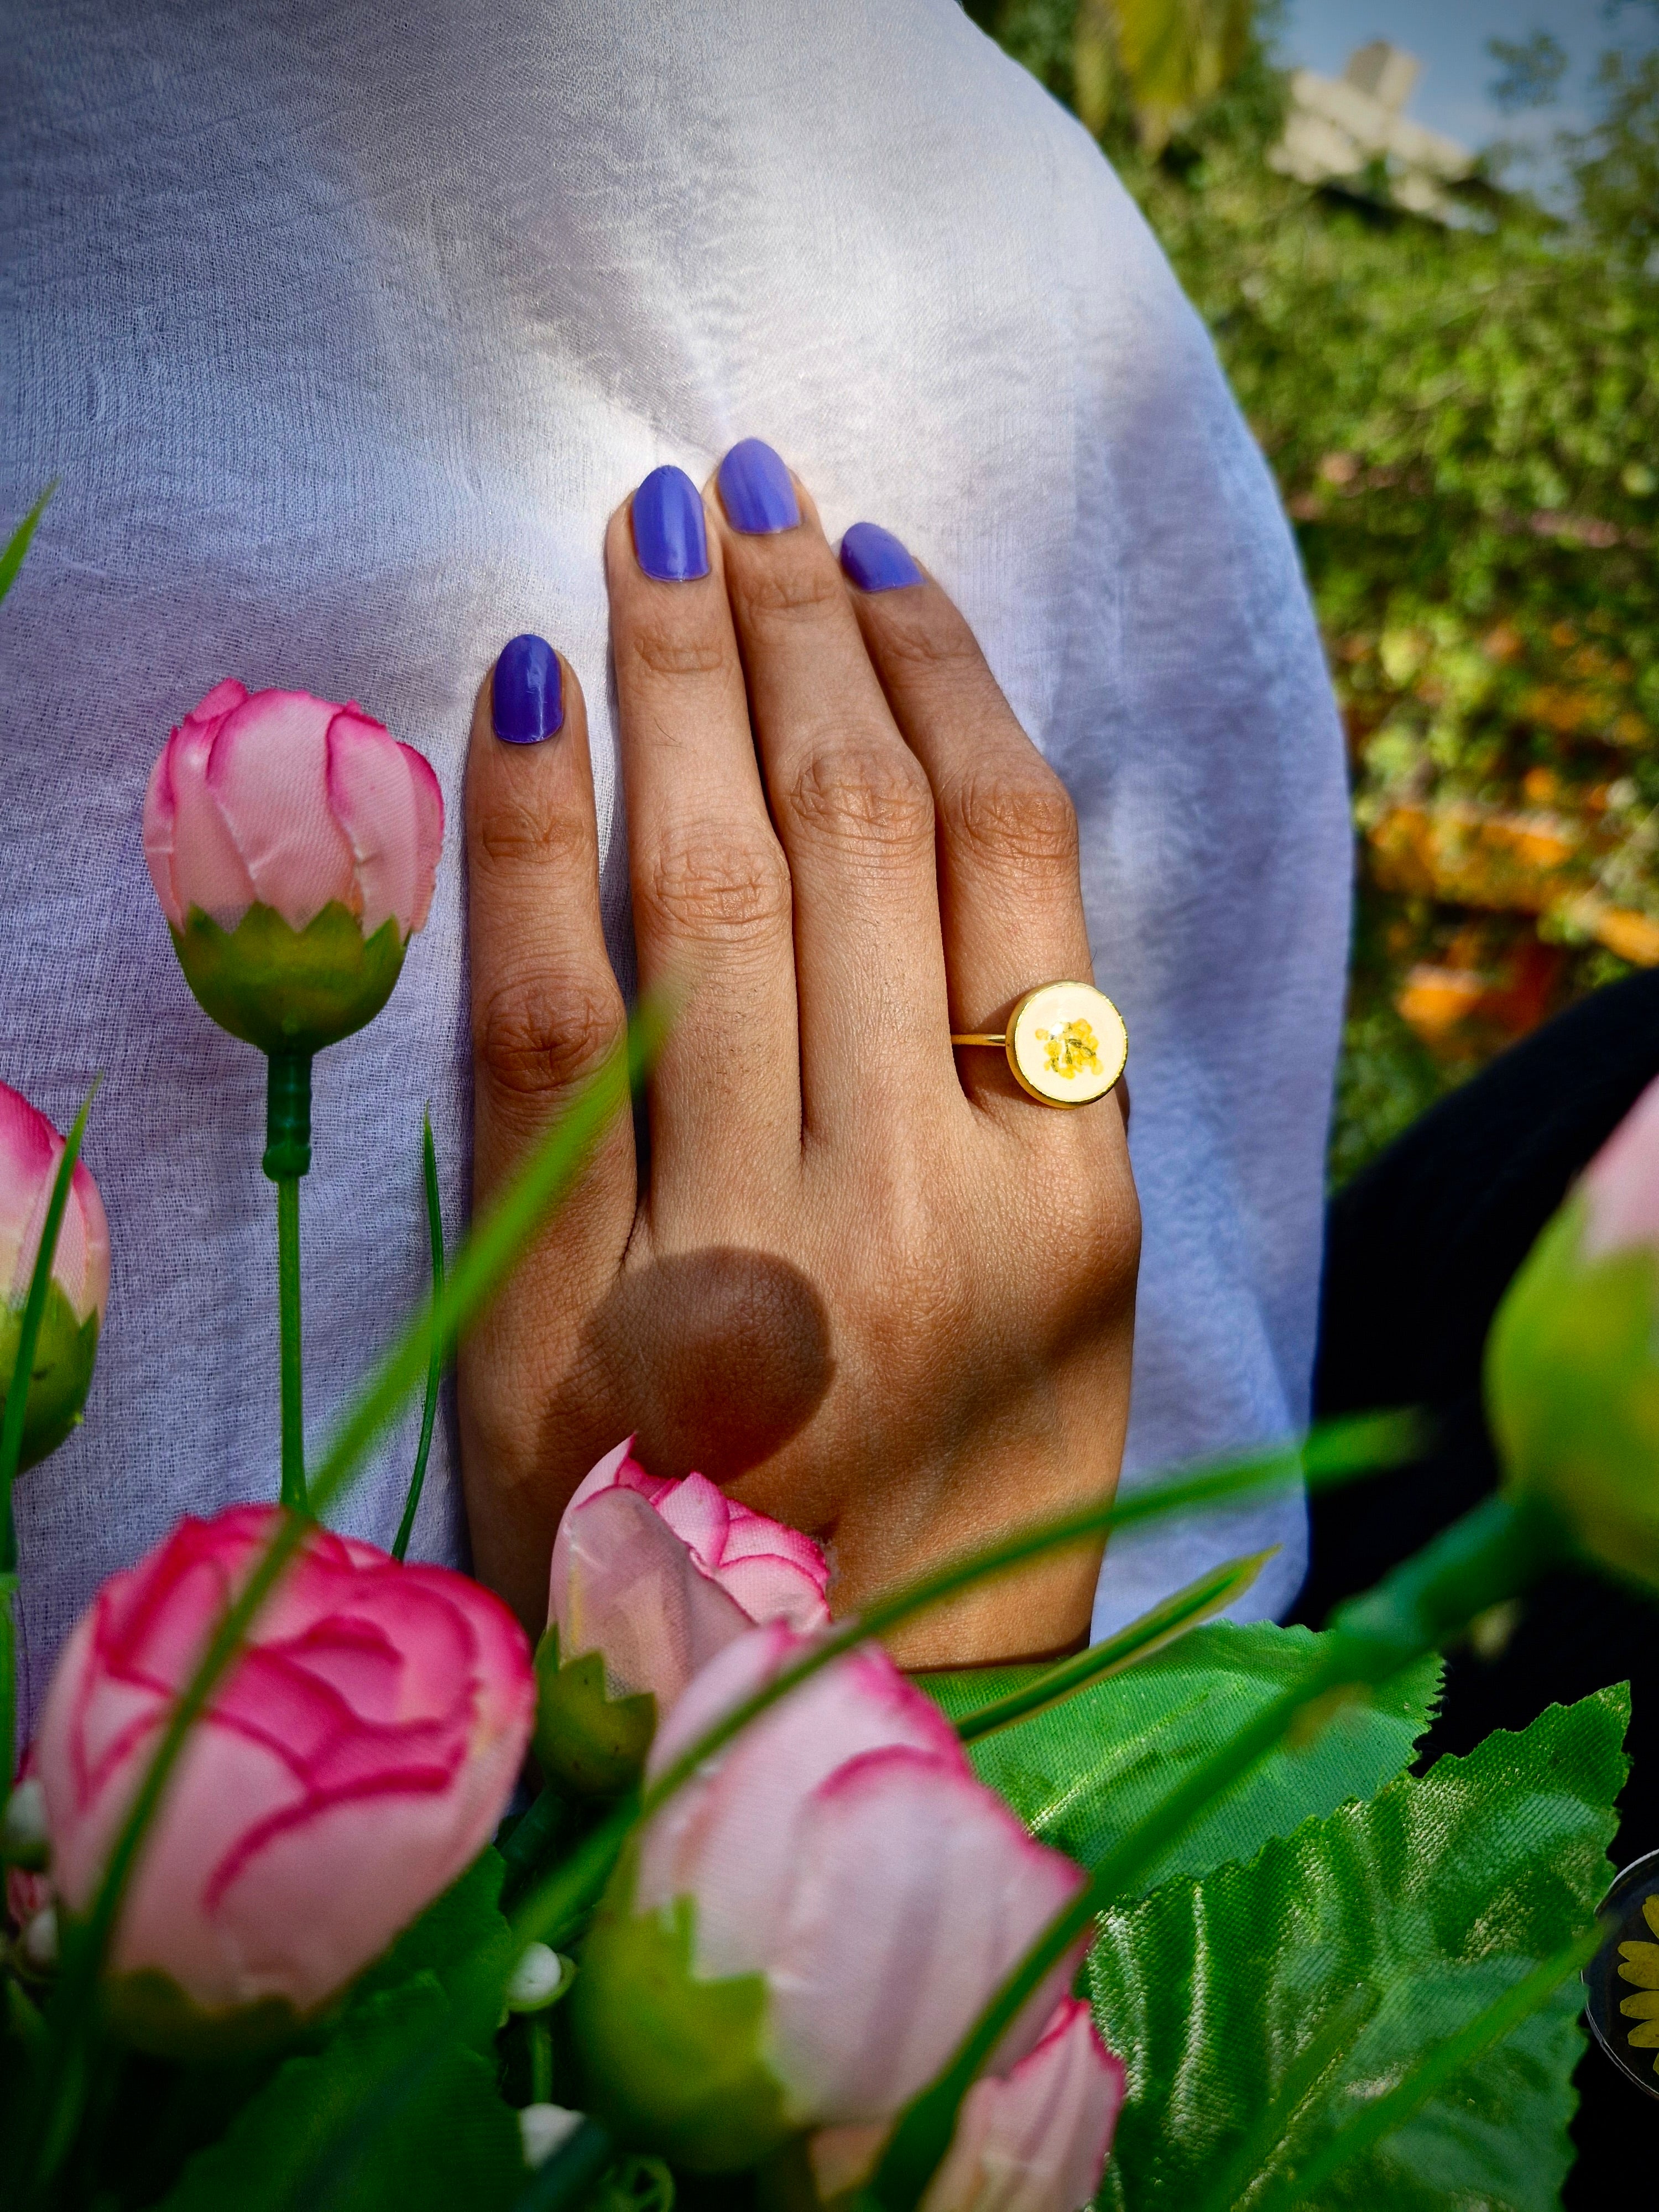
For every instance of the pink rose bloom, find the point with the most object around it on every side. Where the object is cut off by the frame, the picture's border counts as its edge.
(1621, 1184)
(841, 1851)
(293, 844)
(30, 1149)
(275, 799)
(658, 1576)
(1032, 2140)
(352, 1763)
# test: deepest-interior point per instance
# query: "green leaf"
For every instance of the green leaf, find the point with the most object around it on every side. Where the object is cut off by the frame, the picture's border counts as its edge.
(18, 544)
(396, 2115)
(1259, 2009)
(462, 1940)
(1082, 1773)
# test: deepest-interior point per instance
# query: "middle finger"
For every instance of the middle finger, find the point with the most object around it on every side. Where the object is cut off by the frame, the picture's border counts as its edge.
(851, 807)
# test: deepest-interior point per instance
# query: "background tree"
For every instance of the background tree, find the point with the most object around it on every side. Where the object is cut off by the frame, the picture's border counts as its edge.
(1464, 422)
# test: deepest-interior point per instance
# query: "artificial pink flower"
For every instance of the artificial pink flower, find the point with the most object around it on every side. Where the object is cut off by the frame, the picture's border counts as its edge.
(278, 800)
(1621, 1184)
(30, 1149)
(658, 1576)
(352, 1763)
(841, 1850)
(1032, 2140)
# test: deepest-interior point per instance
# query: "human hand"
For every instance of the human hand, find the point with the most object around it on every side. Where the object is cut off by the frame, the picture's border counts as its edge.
(870, 1285)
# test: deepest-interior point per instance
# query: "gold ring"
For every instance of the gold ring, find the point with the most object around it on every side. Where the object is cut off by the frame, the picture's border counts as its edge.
(1066, 1043)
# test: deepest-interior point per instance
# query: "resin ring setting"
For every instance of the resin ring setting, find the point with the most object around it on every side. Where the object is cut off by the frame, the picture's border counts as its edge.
(1066, 1043)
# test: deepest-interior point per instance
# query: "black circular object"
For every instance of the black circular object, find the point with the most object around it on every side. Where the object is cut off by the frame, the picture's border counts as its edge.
(1622, 1979)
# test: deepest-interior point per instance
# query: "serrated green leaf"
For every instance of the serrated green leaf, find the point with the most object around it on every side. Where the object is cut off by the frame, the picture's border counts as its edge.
(1081, 1773)
(462, 1939)
(395, 2115)
(1258, 2008)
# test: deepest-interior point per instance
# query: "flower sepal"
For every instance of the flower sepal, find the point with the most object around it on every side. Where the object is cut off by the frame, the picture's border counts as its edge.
(674, 2062)
(585, 1739)
(287, 990)
(64, 1353)
(151, 2013)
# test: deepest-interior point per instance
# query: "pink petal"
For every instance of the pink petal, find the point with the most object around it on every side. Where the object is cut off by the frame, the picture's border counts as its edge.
(618, 1468)
(1037, 2139)
(696, 1511)
(30, 1149)
(203, 867)
(750, 1533)
(372, 796)
(775, 1590)
(1621, 1184)
(914, 1877)
(429, 832)
(730, 1838)
(268, 772)
(630, 1590)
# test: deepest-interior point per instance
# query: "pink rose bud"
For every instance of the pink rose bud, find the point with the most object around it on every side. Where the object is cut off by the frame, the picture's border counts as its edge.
(813, 1924)
(350, 1764)
(651, 1578)
(30, 1149)
(1572, 1359)
(293, 844)
(1032, 2140)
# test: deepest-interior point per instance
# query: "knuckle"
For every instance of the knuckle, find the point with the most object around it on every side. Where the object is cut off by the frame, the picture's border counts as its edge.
(790, 588)
(514, 830)
(864, 793)
(661, 649)
(538, 1034)
(1018, 813)
(718, 889)
(915, 637)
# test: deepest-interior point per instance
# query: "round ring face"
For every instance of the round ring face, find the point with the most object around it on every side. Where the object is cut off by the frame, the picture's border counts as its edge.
(1621, 1981)
(1066, 1043)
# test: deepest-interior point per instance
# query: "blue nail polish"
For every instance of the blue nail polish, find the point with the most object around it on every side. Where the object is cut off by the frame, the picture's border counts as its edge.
(875, 560)
(669, 541)
(755, 490)
(526, 699)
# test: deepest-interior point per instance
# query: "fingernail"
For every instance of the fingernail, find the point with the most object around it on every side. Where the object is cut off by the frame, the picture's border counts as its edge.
(526, 699)
(755, 490)
(669, 541)
(875, 560)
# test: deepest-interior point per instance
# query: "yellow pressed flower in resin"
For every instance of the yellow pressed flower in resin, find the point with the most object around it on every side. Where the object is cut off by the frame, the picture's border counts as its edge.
(1641, 1965)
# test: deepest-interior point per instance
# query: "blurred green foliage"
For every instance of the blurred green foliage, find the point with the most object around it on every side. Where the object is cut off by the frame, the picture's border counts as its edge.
(1464, 422)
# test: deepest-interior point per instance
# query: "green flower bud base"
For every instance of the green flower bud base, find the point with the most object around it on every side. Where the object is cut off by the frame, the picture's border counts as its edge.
(1572, 1385)
(150, 2012)
(673, 2063)
(62, 1372)
(587, 1742)
(290, 991)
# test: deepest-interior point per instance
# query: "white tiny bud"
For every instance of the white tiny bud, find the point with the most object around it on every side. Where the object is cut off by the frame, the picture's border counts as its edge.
(39, 1941)
(540, 1975)
(545, 2128)
(23, 1837)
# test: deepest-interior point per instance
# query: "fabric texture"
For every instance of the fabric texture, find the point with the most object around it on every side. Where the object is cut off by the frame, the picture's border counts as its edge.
(344, 327)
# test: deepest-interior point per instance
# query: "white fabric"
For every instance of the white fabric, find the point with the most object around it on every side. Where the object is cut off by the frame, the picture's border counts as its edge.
(344, 328)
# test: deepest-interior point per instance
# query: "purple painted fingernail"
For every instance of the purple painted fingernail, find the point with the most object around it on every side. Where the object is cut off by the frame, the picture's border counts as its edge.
(526, 694)
(755, 490)
(669, 541)
(875, 560)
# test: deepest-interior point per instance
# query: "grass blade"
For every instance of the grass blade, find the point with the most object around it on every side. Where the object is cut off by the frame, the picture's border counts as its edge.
(1210, 1593)
(12, 559)
(435, 1365)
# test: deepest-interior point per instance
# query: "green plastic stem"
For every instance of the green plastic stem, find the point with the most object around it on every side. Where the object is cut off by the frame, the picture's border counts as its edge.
(288, 1156)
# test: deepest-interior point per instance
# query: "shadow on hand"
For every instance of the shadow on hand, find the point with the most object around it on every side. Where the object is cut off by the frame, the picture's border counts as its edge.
(714, 1359)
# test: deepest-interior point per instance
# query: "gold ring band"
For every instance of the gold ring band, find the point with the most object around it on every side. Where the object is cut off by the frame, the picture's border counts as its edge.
(1066, 1043)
